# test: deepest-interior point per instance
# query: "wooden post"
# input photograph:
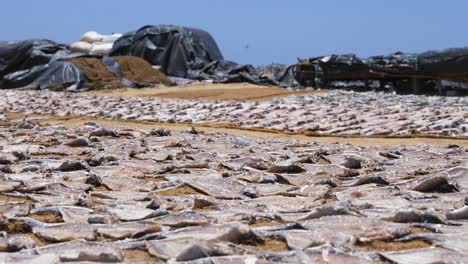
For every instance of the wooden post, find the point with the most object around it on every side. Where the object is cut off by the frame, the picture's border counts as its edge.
(439, 86)
(416, 85)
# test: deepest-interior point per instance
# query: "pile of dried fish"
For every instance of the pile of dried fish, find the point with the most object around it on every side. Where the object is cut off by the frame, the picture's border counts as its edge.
(93, 194)
(334, 113)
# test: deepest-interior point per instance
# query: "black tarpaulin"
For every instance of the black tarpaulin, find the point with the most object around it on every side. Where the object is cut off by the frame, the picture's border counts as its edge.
(61, 75)
(283, 75)
(449, 62)
(399, 63)
(345, 66)
(36, 64)
(44, 64)
(176, 49)
(114, 67)
(22, 55)
(438, 64)
(193, 54)
(56, 75)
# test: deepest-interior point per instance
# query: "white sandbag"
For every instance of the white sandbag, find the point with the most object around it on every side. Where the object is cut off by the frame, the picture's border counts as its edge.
(110, 38)
(81, 46)
(91, 37)
(101, 49)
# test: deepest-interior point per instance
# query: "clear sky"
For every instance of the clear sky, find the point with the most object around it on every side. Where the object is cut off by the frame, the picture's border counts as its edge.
(256, 31)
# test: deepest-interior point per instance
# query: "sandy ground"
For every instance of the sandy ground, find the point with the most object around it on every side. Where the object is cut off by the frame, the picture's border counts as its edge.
(76, 121)
(238, 92)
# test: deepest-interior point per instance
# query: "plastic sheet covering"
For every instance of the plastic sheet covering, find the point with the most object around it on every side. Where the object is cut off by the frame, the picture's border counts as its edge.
(57, 75)
(395, 63)
(22, 55)
(61, 75)
(114, 67)
(191, 53)
(23, 78)
(223, 71)
(346, 66)
(449, 62)
(34, 63)
(283, 74)
(344, 60)
(176, 49)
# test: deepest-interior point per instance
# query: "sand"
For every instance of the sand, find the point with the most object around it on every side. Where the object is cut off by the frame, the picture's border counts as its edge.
(47, 217)
(392, 245)
(237, 92)
(135, 69)
(99, 77)
(141, 72)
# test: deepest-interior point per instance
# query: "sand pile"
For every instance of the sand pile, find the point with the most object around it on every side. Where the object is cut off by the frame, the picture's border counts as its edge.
(141, 72)
(135, 69)
(99, 76)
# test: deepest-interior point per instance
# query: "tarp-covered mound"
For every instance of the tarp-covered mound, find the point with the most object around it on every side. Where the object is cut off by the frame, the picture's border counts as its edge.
(280, 73)
(223, 71)
(399, 63)
(176, 49)
(190, 53)
(21, 55)
(345, 66)
(449, 62)
(179, 52)
(44, 64)
(55, 75)
(37, 63)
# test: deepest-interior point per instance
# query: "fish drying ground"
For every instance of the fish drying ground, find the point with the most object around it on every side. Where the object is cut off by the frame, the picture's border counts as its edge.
(330, 113)
(96, 194)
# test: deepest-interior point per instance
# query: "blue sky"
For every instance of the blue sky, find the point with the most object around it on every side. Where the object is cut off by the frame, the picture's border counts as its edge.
(273, 30)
